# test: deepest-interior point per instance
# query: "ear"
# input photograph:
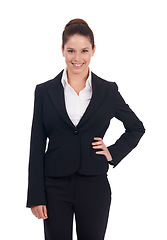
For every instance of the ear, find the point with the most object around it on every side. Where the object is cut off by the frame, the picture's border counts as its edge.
(62, 50)
(93, 50)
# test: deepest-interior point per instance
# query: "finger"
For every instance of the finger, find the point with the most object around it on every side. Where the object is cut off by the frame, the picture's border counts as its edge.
(96, 143)
(97, 138)
(45, 211)
(38, 212)
(41, 212)
(98, 146)
(100, 152)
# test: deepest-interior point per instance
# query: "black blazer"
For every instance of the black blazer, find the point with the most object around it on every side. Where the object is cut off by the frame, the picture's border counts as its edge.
(69, 148)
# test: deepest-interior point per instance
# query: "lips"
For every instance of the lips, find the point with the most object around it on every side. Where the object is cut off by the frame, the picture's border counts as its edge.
(77, 64)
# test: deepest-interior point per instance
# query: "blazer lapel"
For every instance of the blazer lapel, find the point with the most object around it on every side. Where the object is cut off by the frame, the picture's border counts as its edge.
(56, 93)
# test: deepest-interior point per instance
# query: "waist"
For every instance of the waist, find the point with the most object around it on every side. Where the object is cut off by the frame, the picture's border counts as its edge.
(80, 176)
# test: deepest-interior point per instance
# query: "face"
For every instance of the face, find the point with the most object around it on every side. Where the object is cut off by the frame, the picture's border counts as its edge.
(78, 52)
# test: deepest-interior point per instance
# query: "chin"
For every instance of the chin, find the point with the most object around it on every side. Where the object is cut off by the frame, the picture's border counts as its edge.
(77, 71)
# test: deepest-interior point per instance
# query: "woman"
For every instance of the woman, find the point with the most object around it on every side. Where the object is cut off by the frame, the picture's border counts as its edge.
(73, 111)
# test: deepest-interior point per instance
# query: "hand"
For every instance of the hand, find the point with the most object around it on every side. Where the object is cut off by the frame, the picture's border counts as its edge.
(40, 211)
(100, 144)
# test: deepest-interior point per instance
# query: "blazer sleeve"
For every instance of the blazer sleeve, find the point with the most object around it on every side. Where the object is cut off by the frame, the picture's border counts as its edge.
(134, 130)
(36, 192)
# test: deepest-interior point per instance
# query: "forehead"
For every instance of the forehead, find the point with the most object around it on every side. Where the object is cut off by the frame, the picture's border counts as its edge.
(78, 41)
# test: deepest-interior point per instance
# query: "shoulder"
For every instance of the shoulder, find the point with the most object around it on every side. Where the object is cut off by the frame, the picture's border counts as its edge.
(43, 85)
(111, 85)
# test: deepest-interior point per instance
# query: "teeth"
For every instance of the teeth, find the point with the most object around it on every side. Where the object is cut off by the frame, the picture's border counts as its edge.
(77, 65)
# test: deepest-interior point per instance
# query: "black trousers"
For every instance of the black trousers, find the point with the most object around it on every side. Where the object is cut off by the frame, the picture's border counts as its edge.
(86, 197)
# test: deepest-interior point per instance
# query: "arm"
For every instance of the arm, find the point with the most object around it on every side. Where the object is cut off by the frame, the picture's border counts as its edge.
(36, 193)
(134, 130)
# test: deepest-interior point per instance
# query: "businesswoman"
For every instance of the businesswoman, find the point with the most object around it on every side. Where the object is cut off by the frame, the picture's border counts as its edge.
(69, 161)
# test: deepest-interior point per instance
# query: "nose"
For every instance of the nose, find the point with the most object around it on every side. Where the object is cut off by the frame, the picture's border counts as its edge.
(77, 57)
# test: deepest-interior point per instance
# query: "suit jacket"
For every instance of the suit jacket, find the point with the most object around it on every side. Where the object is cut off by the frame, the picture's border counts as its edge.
(69, 148)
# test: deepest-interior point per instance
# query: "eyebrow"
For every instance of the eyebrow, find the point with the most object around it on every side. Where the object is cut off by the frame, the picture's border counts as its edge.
(81, 48)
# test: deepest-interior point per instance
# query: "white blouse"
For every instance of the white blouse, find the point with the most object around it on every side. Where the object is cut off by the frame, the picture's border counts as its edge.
(76, 104)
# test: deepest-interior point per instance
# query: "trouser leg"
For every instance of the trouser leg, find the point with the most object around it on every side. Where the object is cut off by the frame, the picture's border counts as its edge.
(58, 225)
(92, 204)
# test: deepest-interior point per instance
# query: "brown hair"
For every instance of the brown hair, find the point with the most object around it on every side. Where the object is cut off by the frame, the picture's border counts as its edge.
(77, 26)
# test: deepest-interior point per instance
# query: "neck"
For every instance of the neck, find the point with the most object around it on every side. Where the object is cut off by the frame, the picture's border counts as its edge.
(77, 79)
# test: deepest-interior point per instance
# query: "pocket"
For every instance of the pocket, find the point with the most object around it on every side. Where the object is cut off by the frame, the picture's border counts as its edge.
(50, 150)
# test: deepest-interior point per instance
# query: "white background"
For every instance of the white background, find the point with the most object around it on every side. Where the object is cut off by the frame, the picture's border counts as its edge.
(131, 40)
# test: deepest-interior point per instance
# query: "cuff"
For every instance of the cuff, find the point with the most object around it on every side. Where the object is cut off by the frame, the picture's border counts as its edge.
(111, 162)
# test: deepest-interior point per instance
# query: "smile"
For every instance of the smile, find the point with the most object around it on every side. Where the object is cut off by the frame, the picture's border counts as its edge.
(77, 65)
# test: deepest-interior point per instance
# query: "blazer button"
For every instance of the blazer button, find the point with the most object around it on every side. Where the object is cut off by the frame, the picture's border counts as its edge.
(76, 132)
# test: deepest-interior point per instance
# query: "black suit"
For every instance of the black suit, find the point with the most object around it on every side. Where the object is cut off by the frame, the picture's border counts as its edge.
(69, 148)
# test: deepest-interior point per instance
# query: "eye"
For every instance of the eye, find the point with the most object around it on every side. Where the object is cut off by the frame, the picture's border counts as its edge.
(84, 51)
(70, 51)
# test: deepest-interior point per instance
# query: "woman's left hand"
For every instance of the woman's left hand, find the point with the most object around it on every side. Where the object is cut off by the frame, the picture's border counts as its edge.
(100, 144)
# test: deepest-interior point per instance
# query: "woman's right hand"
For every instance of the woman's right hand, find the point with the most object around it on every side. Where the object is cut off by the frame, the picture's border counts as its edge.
(40, 211)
